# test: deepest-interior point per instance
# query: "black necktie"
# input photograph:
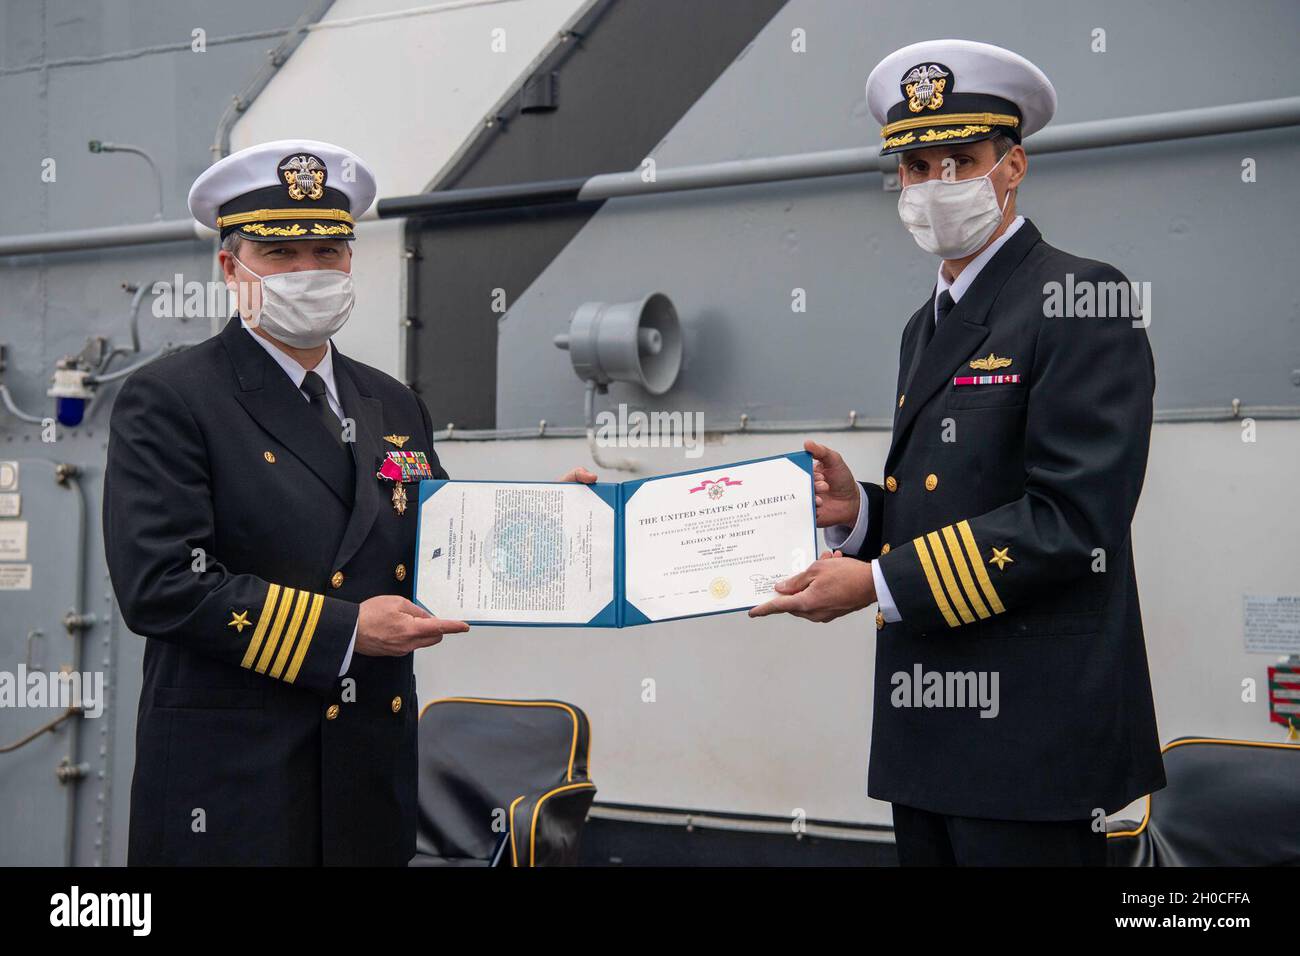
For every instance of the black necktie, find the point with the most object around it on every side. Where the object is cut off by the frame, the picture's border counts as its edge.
(314, 386)
(945, 304)
(943, 307)
(926, 333)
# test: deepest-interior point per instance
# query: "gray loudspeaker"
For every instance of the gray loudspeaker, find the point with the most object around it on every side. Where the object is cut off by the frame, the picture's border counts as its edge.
(638, 342)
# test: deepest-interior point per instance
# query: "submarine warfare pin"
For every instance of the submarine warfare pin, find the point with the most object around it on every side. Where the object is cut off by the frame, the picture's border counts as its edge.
(400, 467)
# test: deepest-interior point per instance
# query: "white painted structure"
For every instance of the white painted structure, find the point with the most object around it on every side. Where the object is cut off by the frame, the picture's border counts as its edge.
(403, 85)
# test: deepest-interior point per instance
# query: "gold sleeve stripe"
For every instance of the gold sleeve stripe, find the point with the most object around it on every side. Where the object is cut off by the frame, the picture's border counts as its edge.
(963, 572)
(940, 599)
(945, 571)
(263, 620)
(981, 574)
(317, 602)
(286, 645)
(276, 630)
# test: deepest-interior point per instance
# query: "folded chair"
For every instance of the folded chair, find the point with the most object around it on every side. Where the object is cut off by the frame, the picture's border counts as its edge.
(502, 782)
(1227, 803)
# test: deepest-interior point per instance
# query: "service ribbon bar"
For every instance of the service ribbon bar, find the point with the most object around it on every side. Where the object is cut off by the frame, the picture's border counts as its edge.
(986, 380)
(405, 466)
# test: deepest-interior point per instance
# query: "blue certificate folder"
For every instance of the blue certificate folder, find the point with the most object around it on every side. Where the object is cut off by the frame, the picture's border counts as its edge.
(618, 612)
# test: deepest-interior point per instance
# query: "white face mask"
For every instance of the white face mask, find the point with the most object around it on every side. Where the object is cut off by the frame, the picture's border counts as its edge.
(952, 220)
(301, 309)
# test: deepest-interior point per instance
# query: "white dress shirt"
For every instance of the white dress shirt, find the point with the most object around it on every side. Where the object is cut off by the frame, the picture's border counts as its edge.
(325, 369)
(850, 540)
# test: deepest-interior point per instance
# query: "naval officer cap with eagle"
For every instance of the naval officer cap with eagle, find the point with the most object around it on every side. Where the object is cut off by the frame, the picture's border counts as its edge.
(289, 189)
(946, 92)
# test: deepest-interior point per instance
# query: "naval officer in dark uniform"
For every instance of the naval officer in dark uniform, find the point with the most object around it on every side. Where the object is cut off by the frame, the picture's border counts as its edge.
(1013, 705)
(258, 535)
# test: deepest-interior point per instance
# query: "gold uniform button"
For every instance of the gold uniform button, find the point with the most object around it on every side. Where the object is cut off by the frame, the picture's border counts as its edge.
(336, 581)
(269, 456)
(931, 482)
(900, 400)
(884, 549)
(399, 572)
(880, 621)
(331, 711)
(891, 483)
(397, 704)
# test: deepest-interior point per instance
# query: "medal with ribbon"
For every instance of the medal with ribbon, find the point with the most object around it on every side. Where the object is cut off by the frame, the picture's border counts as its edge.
(400, 467)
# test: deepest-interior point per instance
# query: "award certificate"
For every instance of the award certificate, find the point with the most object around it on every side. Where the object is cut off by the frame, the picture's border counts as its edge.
(611, 555)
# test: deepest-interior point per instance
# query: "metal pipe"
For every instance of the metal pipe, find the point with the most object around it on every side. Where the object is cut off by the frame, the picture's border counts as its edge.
(99, 147)
(589, 408)
(140, 292)
(74, 240)
(854, 423)
(1123, 131)
(1156, 127)
(739, 172)
(481, 199)
(14, 410)
(1178, 124)
(67, 475)
(779, 826)
(124, 372)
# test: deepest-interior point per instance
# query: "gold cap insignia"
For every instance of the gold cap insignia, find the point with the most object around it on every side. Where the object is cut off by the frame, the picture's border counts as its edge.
(924, 85)
(304, 174)
(990, 364)
(398, 440)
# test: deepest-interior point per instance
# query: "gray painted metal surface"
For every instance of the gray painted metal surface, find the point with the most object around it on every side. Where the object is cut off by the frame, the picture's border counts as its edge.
(1121, 131)
(1175, 214)
(117, 70)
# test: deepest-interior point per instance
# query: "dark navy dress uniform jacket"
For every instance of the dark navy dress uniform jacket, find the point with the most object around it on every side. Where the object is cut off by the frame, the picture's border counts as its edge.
(239, 551)
(1002, 528)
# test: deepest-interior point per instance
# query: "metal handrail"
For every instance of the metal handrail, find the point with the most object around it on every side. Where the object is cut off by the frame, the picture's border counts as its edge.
(1123, 131)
